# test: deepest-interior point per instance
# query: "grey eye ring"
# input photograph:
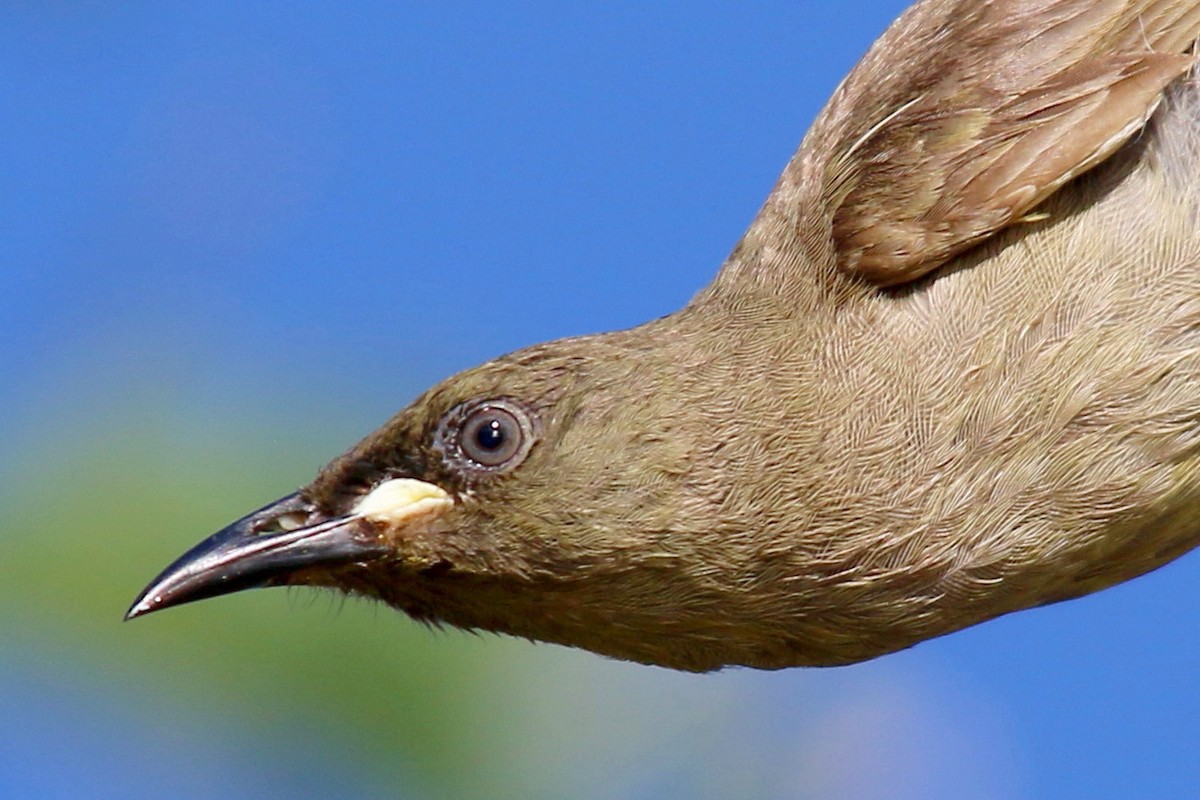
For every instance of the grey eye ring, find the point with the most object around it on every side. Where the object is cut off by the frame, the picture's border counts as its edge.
(488, 435)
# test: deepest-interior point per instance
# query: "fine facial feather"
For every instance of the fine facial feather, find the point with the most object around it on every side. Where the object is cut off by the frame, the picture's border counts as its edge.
(802, 468)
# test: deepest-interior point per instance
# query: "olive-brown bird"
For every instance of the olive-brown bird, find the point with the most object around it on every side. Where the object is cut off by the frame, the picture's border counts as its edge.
(951, 371)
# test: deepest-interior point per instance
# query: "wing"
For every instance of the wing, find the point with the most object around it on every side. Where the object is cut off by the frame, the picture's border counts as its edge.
(965, 115)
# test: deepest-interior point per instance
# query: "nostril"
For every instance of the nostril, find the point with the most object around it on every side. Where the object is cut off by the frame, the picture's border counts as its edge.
(288, 521)
(292, 520)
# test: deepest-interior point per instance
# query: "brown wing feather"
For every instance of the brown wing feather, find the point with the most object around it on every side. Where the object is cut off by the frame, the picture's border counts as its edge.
(965, 115)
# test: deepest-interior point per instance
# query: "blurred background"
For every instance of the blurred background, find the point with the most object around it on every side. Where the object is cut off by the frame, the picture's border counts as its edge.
(236, 237)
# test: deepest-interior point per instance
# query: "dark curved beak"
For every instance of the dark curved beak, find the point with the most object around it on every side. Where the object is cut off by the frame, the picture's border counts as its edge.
(261, 549)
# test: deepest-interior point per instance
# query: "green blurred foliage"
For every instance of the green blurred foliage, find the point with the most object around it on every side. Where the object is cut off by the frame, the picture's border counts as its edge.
(95, 510)
(102, 490)
(93, 520)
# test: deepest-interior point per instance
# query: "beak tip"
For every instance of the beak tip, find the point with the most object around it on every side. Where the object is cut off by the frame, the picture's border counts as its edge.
(243, 556)
(144, 604)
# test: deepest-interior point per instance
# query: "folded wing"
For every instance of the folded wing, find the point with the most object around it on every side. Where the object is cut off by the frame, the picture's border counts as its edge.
(965, 115)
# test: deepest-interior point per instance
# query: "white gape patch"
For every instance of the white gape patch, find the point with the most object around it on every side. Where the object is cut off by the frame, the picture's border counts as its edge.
(400, 498)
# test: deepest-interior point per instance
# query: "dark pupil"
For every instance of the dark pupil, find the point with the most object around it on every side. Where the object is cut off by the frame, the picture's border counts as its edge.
(490, 435)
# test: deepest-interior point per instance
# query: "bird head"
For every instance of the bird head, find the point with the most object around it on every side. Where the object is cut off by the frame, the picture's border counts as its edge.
(535, 495)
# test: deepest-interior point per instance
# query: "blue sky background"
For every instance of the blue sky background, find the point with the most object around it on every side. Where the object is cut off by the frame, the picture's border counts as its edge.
(236, 237)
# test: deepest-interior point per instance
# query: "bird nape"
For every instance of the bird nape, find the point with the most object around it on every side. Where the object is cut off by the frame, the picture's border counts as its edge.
(951, 371)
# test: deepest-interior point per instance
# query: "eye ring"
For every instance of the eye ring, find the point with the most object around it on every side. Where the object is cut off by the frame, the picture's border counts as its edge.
(489, 435)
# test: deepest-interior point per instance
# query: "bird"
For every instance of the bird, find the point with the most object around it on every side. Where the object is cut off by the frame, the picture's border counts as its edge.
(951, 371)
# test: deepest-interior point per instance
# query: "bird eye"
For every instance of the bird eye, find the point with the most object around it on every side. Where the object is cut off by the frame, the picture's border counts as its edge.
(497, 433)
